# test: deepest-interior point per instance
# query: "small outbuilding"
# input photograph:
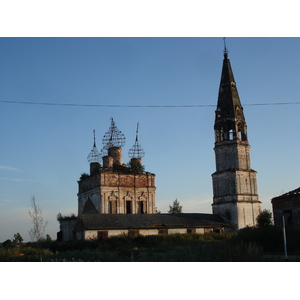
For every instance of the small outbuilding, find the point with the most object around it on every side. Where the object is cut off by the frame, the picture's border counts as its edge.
(98, 226)
(287, 207)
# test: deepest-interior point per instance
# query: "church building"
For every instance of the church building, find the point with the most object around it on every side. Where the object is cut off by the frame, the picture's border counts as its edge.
(116, 188)
(116, 198)
(235, 194)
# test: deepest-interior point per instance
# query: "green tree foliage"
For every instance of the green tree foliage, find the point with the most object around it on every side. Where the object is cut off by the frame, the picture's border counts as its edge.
(176, 208)
(48, 238)
(264, 218)
(136, 167)
(61, 217)
(84, 176)
(17, 239)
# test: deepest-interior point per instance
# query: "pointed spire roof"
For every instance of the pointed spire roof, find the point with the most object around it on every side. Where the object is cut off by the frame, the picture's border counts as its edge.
(230, 120)
(229, 104)
(136, 151)
(94, 156)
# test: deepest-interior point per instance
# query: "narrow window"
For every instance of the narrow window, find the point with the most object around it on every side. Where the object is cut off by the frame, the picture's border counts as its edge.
(240, 135)
(112, 207)
(231, 134)
(128, 207)
(141, 207)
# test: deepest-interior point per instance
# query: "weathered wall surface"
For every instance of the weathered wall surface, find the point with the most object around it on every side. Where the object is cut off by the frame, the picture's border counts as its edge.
(89, 183)
(93, 195)
(290, 207)
(231, 155)
(127, 180)
(234, 183)
(241, 214)
(113, 192)
(67, 227)
(93, 234)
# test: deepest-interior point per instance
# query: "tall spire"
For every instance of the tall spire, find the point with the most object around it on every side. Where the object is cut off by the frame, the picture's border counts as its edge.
(229, 121)
(136, 151)
(94, 156)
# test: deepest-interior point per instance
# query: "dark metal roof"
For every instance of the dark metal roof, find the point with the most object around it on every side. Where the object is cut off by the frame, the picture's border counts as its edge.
(288, 194)
(114, 221)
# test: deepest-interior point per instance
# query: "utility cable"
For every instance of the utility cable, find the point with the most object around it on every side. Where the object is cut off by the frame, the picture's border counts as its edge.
(139, 106)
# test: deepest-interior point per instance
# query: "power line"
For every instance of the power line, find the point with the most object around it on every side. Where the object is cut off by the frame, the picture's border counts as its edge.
(138, 106)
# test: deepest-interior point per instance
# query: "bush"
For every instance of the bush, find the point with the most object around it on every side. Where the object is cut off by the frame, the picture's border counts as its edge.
(269, 238)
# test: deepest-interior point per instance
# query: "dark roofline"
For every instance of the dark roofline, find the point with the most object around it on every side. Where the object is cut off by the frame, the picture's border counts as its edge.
(150, 221)
(289, 194)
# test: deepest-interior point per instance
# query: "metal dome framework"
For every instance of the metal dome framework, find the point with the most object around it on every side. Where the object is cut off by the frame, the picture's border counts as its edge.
(136, 151)
(113, 137)
(94, 156)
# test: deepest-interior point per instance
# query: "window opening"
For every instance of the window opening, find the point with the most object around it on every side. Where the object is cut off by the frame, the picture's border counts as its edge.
(128, 207)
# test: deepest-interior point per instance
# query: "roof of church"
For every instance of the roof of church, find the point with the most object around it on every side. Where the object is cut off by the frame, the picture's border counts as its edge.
(114, 221)
(288, 194)
(228, 98)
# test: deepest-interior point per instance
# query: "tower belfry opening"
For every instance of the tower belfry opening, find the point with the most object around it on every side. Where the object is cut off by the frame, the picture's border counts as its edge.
(234, 182)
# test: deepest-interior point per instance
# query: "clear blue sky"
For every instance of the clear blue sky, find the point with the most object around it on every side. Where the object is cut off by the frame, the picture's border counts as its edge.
(44, 148)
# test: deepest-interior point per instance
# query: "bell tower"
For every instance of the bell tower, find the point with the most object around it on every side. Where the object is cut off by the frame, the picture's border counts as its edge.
(235, 193)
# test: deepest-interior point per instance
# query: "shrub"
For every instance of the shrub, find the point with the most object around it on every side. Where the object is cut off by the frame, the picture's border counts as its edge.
(269, 238)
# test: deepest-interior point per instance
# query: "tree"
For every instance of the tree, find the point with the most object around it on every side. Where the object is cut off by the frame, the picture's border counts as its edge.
(84, 176)
(48, 238)
(264, 218)
(17, 239)
(176, 208)
(39, 225)
(136, 167)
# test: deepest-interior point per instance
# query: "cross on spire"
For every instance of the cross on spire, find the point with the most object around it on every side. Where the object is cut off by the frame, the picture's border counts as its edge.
(225, 48)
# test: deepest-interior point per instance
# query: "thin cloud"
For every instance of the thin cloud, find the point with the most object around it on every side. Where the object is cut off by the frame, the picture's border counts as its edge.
(9, 168)
(17, 179)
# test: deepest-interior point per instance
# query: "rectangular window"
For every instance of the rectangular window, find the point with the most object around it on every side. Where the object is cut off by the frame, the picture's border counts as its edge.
(133, 233)
(162, 231)
(112, 207)
(128, 207)
(102, 235)
(142, 207)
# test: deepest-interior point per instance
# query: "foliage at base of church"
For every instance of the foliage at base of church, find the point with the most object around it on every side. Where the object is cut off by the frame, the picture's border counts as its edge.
(250, 244)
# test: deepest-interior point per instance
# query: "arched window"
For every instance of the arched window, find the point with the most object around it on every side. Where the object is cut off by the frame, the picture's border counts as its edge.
(240, 137)
(219, 137)
(231, 134)
(241, 132)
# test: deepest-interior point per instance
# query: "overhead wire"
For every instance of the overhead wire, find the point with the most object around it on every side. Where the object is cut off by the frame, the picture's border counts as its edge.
(139, 106)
